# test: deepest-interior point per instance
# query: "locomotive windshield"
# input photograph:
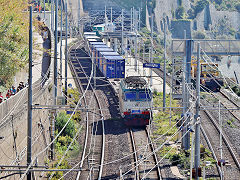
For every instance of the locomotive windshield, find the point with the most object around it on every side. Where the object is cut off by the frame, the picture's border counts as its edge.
(142, 95)
(130, 95)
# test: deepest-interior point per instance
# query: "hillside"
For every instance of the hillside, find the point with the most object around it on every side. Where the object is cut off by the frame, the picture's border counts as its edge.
(230, 5)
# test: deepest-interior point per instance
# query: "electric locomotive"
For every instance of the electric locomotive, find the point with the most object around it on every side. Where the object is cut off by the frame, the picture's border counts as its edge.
(135, 101)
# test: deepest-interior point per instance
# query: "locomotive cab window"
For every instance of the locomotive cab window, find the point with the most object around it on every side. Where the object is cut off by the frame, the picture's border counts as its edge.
(145, 95)
(130, 96)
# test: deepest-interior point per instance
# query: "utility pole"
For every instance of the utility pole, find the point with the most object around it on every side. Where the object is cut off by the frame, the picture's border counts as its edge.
(188, 50)
(139, 19)
(221, 147)
(52, 16)
(151, 58)
(29, 137)
(55, 51)
(61, 6)
(79, 16)
(111, 15)
(44, 1)
(53, 13)
(135, 42)
(197, 116)
(122, 32)
(144, 71)
(106, 20)
(66, 49)
(164, 66)
(55, 77)
(131, 20)
(184, 67)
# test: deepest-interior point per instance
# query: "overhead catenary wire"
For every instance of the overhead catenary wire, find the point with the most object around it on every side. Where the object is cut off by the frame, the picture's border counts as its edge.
(167, 153)
(120, 159)
(157, 149)
(61, 129)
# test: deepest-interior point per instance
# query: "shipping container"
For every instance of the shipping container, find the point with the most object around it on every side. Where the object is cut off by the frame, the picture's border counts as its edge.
(99, 57)
(109, 54)
(89, 34)
(113, 66)
(95, 51)
(92, 37)
(91, 44)
(92, 40)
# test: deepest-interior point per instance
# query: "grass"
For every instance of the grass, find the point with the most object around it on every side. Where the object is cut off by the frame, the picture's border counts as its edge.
(162, 126)
(230, 123)
(67, 136)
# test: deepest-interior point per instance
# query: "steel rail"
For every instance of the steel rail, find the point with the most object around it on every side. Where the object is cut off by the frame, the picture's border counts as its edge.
(234, 156)
(137, 175)
(78, 83)
(103, 129)
(154, 153)
(211, 148)
(224, 96)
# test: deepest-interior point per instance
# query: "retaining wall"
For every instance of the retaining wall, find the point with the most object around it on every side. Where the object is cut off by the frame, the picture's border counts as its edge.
(13, 126)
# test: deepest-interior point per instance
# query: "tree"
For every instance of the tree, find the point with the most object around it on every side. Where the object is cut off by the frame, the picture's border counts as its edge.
(237, 6)
(13, 38)
(199, 35)
(180, 12)
(200, 5)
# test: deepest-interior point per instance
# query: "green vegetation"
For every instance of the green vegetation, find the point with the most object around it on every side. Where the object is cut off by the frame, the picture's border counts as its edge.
(199, 35)
(161, 119)
(198, 6)
(64, 140)
(13, 39)
(223, 29)
(230, 5)
(180, 12)
(61, 120)
(158, 44)
(236, 89)
(230, 122)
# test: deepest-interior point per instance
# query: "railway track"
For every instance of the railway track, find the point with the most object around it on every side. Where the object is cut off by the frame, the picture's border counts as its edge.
(142, 146)
(229, 104)
(212, 131)
(115, 146)
(94, 141)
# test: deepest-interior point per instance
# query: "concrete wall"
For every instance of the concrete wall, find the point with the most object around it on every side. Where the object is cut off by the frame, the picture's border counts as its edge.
(178, 27)
(13, 126)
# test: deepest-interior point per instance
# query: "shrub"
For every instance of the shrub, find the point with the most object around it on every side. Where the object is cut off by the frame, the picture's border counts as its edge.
(199, 35)
(180, 12)
(200, 5)
(237, 6)
(61, 120)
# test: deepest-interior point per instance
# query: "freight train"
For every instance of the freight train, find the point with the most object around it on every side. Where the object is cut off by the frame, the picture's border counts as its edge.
(135, 96)
(112, 65)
